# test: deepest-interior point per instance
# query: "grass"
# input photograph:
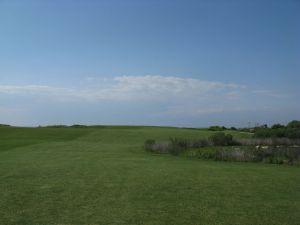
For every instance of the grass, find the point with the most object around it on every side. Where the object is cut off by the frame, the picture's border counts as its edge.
(102, 175)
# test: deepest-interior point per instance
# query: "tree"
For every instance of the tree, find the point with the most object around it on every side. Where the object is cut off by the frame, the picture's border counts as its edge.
(277, 126)
(294, 124)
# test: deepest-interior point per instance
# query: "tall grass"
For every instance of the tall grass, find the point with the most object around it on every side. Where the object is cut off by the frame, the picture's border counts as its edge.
(272, 154)
(224, 148)
(268, 141)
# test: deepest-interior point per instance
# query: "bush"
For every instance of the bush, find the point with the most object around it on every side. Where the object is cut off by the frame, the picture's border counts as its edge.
(148, 145)
(277, 133)
(4, 125)
(268, 141)
(199, 143)
(270, 154)
(235, 154)
(262, 133)
(56, 126)
(277, 126)
(177, 145)
(181, 143)
(217, 128)
(78, 126)
(292, 130)
(156, 147)
(221, 139)
(294, 124)
(293, 133)
(174, 146)
(271, 150)
(206, 153)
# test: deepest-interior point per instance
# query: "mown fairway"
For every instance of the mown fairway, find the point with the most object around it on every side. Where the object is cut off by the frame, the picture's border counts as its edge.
(103, 176)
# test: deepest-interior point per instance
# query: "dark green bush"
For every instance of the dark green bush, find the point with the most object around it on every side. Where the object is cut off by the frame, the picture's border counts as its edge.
(277, 126)
(177, 145)
(222, 139)
(148, 145)
(206, 153)
(294, 124)
(267, 154)
(217, 128)
(78, 126)
(270, 153)
(57, 126)
(292, 130)
(293, 133)
(181, 143)
(199, 143)
(4, 125)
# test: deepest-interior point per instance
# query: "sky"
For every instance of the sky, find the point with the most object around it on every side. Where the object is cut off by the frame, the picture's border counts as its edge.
(138, 62)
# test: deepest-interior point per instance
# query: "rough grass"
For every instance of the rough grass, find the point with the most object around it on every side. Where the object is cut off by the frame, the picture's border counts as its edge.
(103, 176)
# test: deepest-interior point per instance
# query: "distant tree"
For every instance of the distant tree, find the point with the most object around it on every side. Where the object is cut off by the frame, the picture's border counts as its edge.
(217, 128)
(294, 124)
(277, 126)
(292, 130)
(4, 125)
(78, 126)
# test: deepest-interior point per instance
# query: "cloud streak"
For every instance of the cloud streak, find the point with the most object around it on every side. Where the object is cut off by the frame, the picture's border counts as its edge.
(169, 95)
(137, 100)
(269, 93)
(130, 88)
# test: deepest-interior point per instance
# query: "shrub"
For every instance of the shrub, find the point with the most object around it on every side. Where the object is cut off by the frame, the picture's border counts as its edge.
(57, 126)
(234, 154)
(181, 143)
(217, 128)
(78, 126)
(277, 133)
(174, 146)
(199, 143)
(277, 126)
(148, 145)
(294, 124)
(206, 153)
(4, 125)
(271, 154)
(156, 147)
(177, 145)
(262, 133)
(269, 150)
(268, 141)
(292, 130)
(293, 133)
(221, 139)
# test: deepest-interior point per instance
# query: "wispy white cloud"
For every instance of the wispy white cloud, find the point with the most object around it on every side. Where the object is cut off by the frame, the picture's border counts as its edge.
(130, 88)
(177, 95)
(269, 93)
(160, 87)
(183, 110)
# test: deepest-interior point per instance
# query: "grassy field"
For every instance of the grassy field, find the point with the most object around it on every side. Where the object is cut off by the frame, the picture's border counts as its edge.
(103, 176)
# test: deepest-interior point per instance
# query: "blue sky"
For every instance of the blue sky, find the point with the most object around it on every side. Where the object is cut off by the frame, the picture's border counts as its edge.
(158, 62)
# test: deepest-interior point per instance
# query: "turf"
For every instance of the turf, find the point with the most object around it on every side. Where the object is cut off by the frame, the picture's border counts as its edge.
(102, 175)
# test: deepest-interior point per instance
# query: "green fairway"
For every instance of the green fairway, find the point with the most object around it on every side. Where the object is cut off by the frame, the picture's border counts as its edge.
(102, 175)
